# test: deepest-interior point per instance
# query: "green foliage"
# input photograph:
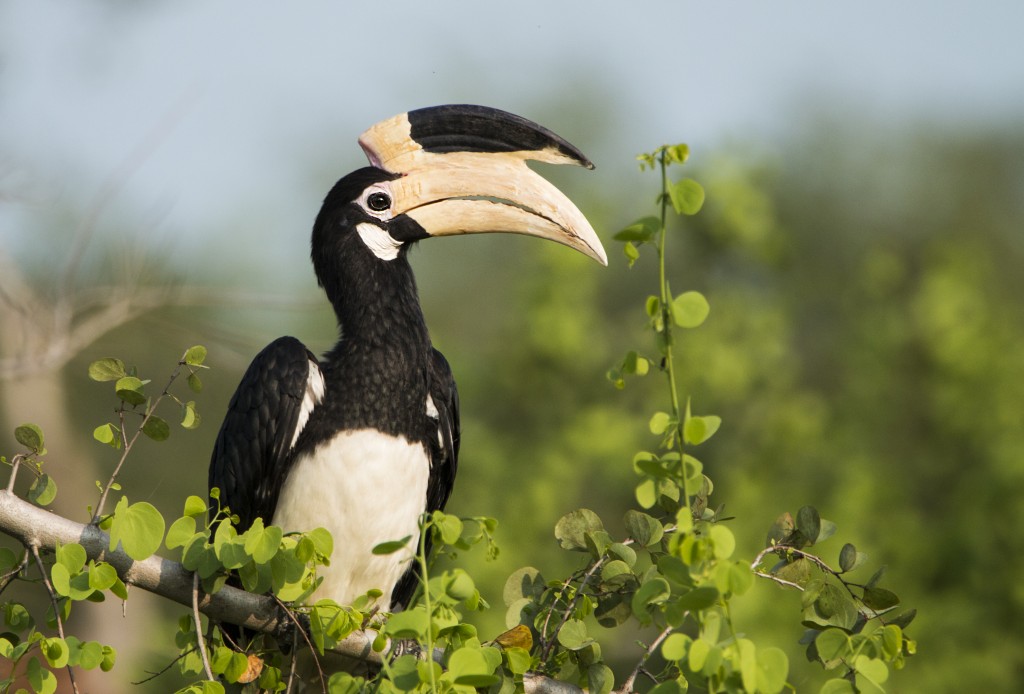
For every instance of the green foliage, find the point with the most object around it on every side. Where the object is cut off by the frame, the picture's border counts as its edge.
(669, 567)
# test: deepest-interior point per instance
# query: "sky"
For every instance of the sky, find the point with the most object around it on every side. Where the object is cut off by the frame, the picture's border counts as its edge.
(201, 124)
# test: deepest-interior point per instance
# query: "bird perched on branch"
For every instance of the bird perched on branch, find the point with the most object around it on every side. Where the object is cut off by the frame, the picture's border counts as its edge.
(365, 440)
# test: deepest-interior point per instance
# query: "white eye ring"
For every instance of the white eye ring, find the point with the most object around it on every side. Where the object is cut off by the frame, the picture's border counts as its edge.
(376, 201)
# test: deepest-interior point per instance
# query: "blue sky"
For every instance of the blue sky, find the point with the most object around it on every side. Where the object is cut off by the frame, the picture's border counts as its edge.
(213, 115)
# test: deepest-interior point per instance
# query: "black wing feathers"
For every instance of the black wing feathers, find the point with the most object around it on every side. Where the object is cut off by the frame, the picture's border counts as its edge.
(252, 453)
(443, 440)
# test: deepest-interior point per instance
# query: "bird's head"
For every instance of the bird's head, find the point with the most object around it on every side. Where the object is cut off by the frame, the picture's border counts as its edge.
(447, 170)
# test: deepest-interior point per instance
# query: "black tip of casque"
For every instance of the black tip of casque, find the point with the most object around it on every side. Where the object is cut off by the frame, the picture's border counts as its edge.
(471, 128)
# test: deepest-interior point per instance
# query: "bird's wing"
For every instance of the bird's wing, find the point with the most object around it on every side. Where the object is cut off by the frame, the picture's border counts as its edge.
(445, 458)
(443, 437)
(266, 414)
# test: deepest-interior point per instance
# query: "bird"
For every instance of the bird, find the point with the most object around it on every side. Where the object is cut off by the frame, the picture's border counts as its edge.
(365, 439)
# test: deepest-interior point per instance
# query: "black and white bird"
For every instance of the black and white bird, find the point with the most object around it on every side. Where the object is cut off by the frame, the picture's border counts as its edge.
(365, 440)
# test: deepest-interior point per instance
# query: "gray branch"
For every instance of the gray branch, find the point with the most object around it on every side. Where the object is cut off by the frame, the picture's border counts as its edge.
(38, 528)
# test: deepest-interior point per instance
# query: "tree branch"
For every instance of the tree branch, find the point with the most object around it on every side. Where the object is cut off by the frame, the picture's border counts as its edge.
(36, 527)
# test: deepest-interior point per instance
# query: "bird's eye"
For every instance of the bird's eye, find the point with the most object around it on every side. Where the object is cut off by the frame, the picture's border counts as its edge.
(378, 202)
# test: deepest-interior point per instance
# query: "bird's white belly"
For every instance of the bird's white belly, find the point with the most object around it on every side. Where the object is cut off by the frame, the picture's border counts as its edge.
(365, 488)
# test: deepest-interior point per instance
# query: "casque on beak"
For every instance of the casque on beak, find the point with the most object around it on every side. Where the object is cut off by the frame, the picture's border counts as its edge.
(463, 171)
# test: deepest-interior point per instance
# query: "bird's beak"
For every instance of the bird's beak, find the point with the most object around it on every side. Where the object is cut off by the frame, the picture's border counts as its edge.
(463, 171)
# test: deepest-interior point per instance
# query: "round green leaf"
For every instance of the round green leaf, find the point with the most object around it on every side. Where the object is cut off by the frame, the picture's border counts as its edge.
(102, 576)
(194, 506)
(687, 196)
(643, 528)
(139, 529)
(107, 370)
(723, 540)
(690, 309)
(772, 670)
(194, 356)
(43, 490)
(837, 686)
(676, 646)
(469, 666)
(30, 436)
(573, 635)
(55, 650)
(572, 528)
(129, 389)
(156, 428)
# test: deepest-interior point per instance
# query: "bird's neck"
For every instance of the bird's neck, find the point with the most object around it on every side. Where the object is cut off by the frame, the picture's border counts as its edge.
(380, 309)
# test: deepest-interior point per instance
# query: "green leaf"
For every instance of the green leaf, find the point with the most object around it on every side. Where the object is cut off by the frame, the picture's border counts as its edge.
(698, 599)
(873, 669)
(808, 522)
(643, 528)
(189, 417)
(687, 196)
(600, 678)
(102, 576)
(392, 546)
(880, 599)
(470, 667)
(772, 670)
(195, 355)
(195, 384)
(31, 437)
(43, 490)
(847, 557)
(837, 686)
(410, 624)
(631, 252)
(41, 679)
(832, 645)
(640, 231)
(108, 434)
(573, 635)
(653, 592)
(647, 493)
(724, 541)
(660, 421)
(107, 370)
(71, 556)
(156, 428)
(180, 532)
(129, 390)
(448, 527)
(263, 543)
(690, 309)
(676, 646)
(139, 529)
(697, 430)
(195, 506)
(572, 528)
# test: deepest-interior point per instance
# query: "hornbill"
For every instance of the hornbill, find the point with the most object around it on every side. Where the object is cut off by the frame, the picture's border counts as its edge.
(365, 440)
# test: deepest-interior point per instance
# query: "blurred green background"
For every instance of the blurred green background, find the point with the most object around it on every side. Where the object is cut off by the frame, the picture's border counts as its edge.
(861, 247)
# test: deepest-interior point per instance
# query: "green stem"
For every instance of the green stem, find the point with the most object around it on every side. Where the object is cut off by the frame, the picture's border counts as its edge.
(425, 577)
(666, 321)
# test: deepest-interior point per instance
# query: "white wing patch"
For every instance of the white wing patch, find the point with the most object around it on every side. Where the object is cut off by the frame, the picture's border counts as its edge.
(381, 243)
(314, 394)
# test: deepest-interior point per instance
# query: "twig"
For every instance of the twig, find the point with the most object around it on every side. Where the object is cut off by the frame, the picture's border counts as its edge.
(6, 579)
(200, 639)
(627, 685)
(154, 675)
(309, 644)
(15, 463)
(135, 437)
(569, 607)
(56, 608)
